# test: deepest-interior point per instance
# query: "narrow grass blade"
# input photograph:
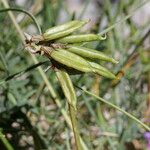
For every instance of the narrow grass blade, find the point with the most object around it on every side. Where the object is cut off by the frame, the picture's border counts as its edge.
(117, 108)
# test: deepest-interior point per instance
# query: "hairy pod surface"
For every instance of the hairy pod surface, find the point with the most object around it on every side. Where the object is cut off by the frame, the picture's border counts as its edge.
(81, 38)
(98, 69)
(67, 87)
(90, 53)
(61, 32)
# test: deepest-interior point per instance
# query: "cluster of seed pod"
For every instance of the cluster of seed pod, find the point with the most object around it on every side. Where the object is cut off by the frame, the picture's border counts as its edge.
(59, 45)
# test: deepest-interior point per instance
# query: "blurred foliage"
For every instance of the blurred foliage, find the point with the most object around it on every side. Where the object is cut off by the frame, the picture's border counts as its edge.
(29, 117)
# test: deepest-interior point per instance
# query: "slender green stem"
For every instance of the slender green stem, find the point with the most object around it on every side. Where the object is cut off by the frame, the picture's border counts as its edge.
(73, 115)
(117, 108)
(5, 141)
(124, 19)
(23, 11)
(18, 74)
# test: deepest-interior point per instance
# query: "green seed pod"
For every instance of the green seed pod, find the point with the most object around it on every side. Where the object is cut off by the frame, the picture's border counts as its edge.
(69, 70)
(89, 53)
(69, 59)
(62, 33)
(61, 27)
(98, 69)
(72, 61)
(81, 38)
(67, 87)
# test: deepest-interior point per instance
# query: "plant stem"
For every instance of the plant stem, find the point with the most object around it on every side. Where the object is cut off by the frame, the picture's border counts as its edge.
(117, 108)
(23, 11)
(124, 19)
(75, 127)
(5, 141)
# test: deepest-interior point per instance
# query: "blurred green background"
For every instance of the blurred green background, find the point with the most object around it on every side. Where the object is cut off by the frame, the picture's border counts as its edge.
(31, 113)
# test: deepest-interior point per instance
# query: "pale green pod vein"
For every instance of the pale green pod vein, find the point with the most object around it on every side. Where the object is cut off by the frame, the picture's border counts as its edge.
(98, 69)
(71, 60)
(81, 38)
(65, 32)
(90, 53)
(67, 87)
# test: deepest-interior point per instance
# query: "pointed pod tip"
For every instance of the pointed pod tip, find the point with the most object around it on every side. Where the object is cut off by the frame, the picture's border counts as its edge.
(115, 61)
(106, 74)
(102, 37)
(84, 22)
(117, 78)
(112, 76)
